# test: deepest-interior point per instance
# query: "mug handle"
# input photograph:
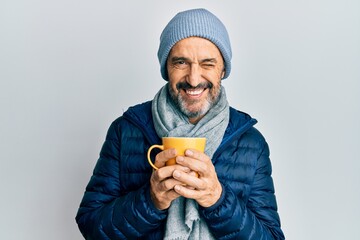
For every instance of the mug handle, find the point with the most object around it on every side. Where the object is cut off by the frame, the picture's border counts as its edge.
(148, 154)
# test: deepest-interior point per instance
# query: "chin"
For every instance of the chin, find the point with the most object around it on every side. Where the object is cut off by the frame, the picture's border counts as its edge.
(191, 108)
(194, 112)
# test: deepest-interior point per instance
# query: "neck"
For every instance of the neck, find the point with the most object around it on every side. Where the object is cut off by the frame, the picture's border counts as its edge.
(195, 120)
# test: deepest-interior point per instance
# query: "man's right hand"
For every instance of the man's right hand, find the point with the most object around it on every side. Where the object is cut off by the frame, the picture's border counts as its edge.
(162, 183)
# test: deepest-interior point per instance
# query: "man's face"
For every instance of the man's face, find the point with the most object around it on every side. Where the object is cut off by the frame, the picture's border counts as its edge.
(195, 68)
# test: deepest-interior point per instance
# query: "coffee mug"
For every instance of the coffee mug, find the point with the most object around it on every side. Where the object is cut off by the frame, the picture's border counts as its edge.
(180, 144)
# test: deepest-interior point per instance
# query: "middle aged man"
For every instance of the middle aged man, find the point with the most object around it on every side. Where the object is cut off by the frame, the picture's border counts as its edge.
(233, 195)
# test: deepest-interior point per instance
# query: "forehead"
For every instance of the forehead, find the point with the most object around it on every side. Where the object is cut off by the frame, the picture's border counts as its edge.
(195, 46)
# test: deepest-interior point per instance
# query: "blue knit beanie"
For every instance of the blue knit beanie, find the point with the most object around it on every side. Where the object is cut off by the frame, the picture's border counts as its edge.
(194, 23)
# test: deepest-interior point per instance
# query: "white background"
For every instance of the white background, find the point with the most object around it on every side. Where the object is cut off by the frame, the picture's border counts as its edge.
(69, 68)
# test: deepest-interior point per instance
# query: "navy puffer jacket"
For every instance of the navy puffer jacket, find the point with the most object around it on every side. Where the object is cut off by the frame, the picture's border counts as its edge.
(117, 203)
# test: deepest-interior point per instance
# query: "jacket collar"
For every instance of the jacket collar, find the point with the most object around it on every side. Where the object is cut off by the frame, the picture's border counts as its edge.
(141, 116)
(239, 123)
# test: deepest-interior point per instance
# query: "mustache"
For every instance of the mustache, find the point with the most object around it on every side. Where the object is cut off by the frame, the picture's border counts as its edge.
(186, 85)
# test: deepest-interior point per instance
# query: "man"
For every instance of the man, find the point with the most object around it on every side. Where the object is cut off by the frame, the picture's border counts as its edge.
(232, 197)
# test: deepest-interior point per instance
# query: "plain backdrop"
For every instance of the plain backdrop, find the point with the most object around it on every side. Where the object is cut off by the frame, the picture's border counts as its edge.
(69, 68)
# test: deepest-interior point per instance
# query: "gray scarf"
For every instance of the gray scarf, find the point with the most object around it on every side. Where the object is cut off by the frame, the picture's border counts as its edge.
(184, 221)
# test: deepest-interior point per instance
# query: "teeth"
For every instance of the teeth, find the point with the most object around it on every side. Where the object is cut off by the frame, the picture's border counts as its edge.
(194, 91)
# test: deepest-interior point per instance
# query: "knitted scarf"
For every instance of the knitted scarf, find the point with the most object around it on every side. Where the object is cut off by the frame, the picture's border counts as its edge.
(184, 221)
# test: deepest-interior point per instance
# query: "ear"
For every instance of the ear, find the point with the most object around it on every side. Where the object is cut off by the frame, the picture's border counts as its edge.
(223, 73)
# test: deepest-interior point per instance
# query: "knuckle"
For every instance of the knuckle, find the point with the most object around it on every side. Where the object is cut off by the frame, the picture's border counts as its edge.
(160, 174)
(168, 153)
(161, 187)
(158, 158)
(203, 168)
(202, 185)
(154, 177)
(167, 185)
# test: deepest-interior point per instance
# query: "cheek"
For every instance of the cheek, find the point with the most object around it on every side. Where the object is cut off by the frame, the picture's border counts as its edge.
(214, 75)
(172, 88)
(215, 91)
(174, 76)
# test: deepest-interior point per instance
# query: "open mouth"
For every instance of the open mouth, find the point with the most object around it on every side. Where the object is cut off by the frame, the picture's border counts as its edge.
(196, 92)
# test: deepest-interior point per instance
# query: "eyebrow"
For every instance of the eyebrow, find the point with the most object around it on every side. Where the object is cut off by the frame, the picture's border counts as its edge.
(209, 60)
(175, 59)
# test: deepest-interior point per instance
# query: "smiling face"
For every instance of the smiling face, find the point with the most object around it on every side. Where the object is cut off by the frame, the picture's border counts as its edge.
(195, 68)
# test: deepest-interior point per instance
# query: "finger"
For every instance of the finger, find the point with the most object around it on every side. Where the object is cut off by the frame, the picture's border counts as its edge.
(190, 180)
(172, 195)
(167, 185)
(163, 156)
(193, 153)
(186, 192)
(195, 165)
(166, 172)
(162, 200)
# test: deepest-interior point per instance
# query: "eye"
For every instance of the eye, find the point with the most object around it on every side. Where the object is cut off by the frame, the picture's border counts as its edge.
(208, 65)
(181, 64)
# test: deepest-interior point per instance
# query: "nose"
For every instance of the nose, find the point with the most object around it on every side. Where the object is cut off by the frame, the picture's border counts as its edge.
(194, 76)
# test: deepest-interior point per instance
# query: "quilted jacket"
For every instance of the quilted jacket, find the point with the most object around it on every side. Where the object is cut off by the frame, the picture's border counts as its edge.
(117, 204)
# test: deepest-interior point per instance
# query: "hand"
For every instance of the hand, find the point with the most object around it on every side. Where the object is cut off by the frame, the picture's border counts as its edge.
(162, 182)
(206, 188)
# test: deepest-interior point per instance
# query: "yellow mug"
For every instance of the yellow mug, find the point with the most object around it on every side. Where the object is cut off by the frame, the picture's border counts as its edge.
(180, 144)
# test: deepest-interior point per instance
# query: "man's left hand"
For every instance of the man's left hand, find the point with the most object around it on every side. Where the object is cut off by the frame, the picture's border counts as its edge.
(204, 188)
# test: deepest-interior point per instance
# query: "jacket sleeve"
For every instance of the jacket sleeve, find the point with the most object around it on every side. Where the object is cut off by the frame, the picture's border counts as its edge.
(233, 217)
(109, 212)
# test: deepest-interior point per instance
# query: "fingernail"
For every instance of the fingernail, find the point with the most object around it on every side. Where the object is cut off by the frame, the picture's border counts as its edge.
(189, 152)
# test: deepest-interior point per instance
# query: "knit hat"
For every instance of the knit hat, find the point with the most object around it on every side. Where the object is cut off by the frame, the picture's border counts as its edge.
(194, 23)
